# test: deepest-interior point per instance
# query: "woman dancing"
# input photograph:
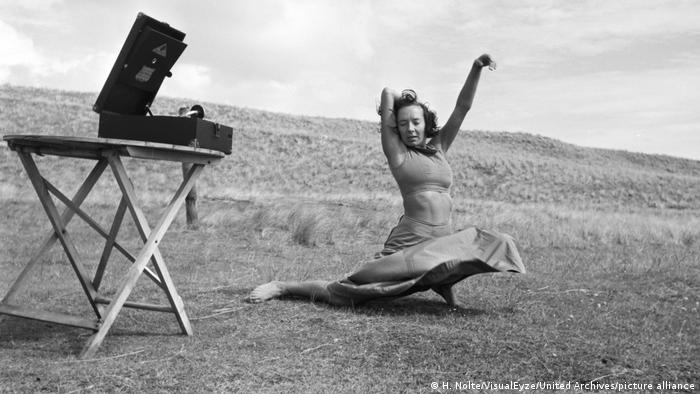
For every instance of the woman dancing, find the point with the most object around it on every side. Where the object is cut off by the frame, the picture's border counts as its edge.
(422, 252)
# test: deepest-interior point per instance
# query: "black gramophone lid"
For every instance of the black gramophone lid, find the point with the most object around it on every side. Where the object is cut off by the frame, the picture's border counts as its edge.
(149, 52)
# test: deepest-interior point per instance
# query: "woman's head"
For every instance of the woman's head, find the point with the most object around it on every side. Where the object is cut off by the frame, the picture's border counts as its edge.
(415, 121)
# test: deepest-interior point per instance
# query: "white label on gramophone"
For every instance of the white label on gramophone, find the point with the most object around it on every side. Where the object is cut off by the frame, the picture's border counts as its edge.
(144, 74)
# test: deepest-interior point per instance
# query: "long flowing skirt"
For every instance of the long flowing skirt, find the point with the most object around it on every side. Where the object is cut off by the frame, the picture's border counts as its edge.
(409, 232)
(436, 262)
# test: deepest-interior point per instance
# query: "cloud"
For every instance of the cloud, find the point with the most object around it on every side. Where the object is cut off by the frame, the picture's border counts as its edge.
(279, 40)
(188, 81)
(26, 60)
(17, 50)
(533, 32)
(36, 5)
(602, 108)
(273, 54)
(566, 69)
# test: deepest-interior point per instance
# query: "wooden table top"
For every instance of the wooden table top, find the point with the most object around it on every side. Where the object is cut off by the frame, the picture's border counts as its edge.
(95, 148)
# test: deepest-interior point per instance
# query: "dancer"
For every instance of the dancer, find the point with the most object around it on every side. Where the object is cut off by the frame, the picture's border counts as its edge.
(422, 252)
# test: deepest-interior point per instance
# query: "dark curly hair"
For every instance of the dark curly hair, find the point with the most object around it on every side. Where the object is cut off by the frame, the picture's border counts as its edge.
(408, 98)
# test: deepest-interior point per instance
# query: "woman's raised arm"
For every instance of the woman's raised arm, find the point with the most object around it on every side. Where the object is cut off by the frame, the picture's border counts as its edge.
(394, 148)
(464, 102)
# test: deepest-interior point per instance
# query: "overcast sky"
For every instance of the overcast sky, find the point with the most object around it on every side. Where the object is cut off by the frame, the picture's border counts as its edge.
(611, 74)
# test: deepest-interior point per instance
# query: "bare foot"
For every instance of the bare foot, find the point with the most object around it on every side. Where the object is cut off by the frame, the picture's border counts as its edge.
(266, 292)
(447, 293)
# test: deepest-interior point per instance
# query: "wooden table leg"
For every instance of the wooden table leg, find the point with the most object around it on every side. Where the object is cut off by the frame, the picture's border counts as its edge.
(59, 227)
(109, 243)
(148, 252)
(51, 238)
(110, 237)
(142, 225)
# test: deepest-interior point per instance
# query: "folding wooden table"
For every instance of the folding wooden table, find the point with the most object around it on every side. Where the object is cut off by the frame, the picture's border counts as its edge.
(106, 152)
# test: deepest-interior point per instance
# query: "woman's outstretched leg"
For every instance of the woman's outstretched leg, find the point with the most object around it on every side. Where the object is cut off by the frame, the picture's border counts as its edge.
(314, 290)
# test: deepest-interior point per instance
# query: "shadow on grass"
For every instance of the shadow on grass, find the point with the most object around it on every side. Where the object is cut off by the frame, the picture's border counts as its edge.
(40, 337)
(63, 339)
(401, 306)
(415, 306)
(404, 306)
(18, 329)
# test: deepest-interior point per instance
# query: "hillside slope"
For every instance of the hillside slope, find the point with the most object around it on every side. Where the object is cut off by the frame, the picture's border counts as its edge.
(283, 154)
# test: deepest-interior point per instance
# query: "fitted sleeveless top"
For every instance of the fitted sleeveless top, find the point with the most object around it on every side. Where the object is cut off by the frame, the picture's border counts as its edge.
(421, 172)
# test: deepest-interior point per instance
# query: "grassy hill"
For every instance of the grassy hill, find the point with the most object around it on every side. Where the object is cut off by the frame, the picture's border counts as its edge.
(610, 240)
(327, 158)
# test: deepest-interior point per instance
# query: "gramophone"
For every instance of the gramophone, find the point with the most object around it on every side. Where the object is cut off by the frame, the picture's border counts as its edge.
(124, 103)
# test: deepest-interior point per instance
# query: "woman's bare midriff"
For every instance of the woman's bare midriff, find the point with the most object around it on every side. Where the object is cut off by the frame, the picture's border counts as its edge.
(433, 207)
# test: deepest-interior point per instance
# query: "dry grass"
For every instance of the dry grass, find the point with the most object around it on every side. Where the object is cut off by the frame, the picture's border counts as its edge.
(589, 307)
(611, 293)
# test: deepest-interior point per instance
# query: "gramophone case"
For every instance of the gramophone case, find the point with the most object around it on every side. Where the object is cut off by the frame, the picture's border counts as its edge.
(168, 130)
(149, 52)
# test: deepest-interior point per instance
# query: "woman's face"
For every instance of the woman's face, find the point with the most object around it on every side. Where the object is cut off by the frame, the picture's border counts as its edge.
(411, 124)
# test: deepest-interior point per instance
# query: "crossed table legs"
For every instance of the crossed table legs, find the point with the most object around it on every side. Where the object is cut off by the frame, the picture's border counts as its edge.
(105, 316)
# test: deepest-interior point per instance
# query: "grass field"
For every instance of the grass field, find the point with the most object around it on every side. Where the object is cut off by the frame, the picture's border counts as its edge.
(610, 239)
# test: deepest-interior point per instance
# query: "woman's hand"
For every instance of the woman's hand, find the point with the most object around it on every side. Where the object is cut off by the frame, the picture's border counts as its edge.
(485, 60)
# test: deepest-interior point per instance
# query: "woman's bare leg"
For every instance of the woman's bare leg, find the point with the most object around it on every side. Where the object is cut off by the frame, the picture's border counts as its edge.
(314, 290)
